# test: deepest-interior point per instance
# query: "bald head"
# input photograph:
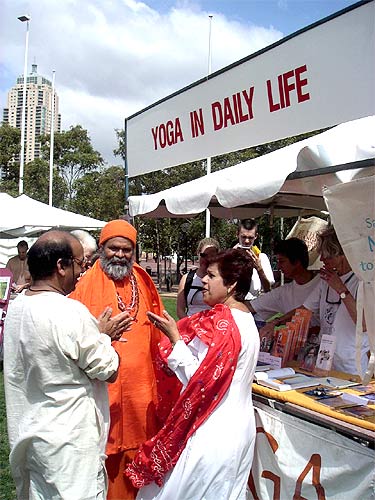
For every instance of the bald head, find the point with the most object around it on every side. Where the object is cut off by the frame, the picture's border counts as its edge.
(48, 249)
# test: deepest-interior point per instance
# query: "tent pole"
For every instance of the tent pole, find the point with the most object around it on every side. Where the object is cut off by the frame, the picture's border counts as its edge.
(126, 168)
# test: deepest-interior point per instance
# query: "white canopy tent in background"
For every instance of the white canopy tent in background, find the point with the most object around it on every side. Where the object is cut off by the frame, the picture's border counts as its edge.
(260, 185)
(23, 218)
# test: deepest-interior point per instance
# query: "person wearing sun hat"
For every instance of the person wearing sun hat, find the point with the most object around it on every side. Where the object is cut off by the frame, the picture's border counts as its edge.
(116, 283)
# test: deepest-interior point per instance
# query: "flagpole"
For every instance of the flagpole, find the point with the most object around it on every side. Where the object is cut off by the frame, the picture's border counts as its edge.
(51, 141)
(208, 161)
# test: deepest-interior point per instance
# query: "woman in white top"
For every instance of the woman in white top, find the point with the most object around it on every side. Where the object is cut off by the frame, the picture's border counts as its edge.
(189, 296)
(205, 449)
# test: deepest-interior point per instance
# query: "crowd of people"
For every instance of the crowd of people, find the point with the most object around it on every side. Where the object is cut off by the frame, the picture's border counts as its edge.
(109, 397)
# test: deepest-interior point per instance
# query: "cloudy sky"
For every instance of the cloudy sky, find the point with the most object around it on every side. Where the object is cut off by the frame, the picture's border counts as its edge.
(114, 57)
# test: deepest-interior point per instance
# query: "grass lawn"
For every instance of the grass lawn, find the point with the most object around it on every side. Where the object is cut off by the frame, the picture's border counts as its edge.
(170, 305)
(7, 489)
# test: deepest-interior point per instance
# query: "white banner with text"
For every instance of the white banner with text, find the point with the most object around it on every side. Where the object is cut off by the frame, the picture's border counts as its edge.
(319, 77)
(296, 459)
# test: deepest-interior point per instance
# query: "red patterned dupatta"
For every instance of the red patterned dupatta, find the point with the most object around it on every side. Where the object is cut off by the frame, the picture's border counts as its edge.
(206, 388)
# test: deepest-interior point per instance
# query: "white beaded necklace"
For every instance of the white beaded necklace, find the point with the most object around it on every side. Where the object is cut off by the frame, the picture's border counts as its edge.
(134, 299)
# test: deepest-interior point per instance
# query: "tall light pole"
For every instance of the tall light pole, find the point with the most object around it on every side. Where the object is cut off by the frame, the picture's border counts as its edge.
(24, 19)
(208, 164)
(51, 141)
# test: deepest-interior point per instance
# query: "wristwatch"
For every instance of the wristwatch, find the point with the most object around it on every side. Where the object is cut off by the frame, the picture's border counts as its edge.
(343, 295)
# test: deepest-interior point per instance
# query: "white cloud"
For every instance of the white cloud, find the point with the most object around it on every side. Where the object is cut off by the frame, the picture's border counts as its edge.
(114, 57)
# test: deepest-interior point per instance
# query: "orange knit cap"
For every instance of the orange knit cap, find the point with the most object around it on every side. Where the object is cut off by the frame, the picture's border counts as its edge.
(116, 228)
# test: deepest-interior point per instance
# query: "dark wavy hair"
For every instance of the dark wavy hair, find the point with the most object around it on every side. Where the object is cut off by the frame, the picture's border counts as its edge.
(234, 265)
(294, 249)
(43, 255)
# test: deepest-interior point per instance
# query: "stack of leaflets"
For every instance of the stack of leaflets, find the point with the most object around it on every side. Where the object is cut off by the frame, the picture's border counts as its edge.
(286, 341)
(350, 404)
(284, 379)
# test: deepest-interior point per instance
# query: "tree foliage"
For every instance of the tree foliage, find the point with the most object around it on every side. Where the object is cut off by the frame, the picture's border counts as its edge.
(100, 194)
(36, 183)
(73, 155)
(10, 146)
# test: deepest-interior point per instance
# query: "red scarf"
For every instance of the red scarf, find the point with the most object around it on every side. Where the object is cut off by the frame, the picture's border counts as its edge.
(206, 388)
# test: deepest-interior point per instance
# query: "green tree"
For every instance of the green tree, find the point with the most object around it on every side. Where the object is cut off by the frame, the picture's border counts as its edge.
(73, 155)
(36, 183)
(10, 146)
(100, 194)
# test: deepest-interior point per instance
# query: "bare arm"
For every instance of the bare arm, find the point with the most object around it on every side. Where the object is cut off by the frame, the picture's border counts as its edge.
(266, 285)
(181, 302)
(334, 282)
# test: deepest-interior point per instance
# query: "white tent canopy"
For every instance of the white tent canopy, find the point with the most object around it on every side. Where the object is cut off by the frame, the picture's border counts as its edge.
(253, 187)
(24, 216)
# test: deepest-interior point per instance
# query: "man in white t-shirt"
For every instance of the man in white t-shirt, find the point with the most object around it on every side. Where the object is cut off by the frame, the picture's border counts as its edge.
(293, 260)
(262, 279)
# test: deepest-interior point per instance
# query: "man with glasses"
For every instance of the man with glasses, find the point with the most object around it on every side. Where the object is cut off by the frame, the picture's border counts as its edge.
(262, 279)
(56, 363)
(116, 283)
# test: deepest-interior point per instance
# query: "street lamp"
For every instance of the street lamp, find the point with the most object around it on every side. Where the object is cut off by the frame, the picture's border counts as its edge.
(23, 19)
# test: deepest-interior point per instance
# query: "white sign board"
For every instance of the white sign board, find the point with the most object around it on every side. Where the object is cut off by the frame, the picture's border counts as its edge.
(316, 78)
(352, 210)
(296, 459)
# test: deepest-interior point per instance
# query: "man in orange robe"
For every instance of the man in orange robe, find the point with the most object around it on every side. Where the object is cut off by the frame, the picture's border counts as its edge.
(117, 282)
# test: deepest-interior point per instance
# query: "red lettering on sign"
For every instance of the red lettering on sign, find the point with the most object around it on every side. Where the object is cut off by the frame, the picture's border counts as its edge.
(167, 134)
(288, 86)
(249, 101)
(196, 123)
(217, 116)
(288, 83)
(301, 83)
(228, 115)
(235, 109)
(155, 135)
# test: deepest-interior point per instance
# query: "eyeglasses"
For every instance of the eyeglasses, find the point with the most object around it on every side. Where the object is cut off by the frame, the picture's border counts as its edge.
(81, 262)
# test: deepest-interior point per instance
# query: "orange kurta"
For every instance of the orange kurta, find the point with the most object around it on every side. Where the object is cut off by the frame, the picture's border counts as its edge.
(134, 396)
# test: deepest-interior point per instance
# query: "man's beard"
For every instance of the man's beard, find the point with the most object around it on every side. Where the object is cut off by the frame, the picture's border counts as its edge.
(115, 268)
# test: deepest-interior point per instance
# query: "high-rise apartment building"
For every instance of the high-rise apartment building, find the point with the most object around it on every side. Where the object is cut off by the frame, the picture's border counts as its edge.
(39, 102)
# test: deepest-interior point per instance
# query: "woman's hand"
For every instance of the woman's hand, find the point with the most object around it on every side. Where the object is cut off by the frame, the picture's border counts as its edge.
(116, 326)
(333, 279)
(166, 324)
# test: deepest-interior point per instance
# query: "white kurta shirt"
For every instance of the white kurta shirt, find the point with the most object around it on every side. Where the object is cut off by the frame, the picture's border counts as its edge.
(216, 462)
(55, 362)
